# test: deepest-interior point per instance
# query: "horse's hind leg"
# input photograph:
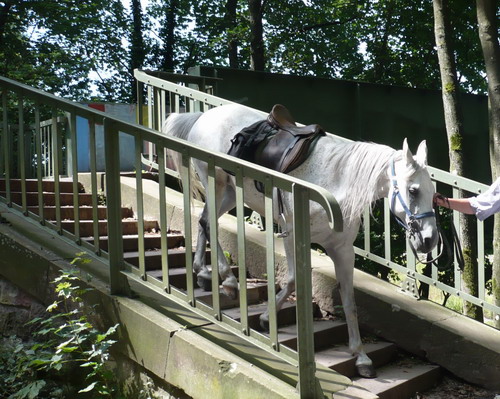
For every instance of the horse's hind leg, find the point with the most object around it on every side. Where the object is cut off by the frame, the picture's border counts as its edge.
(225, 203)
(199, 265)
(289, 286)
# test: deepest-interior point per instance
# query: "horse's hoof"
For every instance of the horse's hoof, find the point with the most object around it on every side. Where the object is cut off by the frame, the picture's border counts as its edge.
(264, 324)
(366, 370)
(230, 291)
(205, 283)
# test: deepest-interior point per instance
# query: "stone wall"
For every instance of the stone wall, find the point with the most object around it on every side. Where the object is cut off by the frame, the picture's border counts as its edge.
(16, 309)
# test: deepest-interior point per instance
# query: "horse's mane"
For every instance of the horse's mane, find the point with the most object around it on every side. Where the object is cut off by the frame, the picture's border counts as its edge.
(362, 166)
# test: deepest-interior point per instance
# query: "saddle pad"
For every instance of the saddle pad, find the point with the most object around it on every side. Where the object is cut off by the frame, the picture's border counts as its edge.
(245, 144)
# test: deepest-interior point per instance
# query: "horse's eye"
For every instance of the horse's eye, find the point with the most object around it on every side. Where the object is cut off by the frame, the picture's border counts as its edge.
(413, 191)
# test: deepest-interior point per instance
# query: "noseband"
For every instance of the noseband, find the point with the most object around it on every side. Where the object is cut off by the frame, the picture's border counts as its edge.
(412, 227)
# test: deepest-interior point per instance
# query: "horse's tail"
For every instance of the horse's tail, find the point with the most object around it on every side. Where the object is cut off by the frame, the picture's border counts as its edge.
(179, 125)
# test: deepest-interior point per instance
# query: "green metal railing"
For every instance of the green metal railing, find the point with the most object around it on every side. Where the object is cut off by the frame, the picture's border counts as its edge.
(24, 105)
(27, 108)
(163, 97)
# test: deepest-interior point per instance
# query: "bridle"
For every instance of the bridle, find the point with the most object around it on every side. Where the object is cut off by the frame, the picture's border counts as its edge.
(412, 227)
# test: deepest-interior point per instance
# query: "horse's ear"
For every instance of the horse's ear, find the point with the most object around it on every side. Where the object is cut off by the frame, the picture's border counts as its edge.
(422, 153)
(407, 155)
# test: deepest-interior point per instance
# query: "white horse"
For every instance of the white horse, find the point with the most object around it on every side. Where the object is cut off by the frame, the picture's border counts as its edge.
(356, 173)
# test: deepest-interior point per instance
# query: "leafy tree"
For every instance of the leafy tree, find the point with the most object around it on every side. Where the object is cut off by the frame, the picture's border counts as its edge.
(137, 44)
(318, 38)
(257, 49)
(172, 19)
(219, 35)
(55, 45)
(230, 22)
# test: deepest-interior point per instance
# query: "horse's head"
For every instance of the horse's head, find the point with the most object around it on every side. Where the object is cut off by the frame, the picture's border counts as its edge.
(411, 197)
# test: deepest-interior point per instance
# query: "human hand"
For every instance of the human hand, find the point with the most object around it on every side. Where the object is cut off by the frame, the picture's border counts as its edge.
(440, 200)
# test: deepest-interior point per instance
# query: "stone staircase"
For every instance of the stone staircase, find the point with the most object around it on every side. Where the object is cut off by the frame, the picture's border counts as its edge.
(399, 375)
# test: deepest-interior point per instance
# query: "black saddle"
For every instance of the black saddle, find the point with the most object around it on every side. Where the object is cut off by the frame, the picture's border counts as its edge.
(289, 147)
(276, 143)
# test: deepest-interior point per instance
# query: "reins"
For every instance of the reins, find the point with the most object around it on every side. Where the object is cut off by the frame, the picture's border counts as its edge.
(443, 241)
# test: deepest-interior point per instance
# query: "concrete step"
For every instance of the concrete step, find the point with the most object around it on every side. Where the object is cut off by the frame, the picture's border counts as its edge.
(129, 226)
(402, 380)
(49, 198)
(286, 315)
(151, 241)
(65, 185)
(254, 294)
(85, 212)
(339, 357)
(326, 333)
(176, 258)
(177, 276)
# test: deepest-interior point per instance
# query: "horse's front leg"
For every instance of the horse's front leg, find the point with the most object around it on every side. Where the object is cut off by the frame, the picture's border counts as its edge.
(343, 258)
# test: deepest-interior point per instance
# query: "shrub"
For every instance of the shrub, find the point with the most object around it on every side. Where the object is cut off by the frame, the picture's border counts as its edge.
(66, 348)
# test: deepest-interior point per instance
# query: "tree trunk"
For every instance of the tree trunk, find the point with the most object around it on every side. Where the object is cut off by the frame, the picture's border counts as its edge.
(137, 50)
(381, 50)
(488, 35)
(168, 62)
(232, 40)
(257, 62)
(454, 131)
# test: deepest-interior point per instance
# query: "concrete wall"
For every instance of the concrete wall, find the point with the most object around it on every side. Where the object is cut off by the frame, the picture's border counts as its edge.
(364, 111)
(152, 347)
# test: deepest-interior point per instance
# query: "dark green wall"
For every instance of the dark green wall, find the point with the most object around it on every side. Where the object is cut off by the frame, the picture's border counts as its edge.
(363, 111)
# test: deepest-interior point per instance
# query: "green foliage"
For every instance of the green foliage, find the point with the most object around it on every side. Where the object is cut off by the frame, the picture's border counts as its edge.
(456, 142)
(70, 48)
(449, 88)
(67, 347)
(377, 240)
(229, 258)
(56, 45)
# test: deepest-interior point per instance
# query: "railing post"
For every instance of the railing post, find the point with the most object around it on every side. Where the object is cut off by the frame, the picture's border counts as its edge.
(308, 385)
(6, 143)
(409, 283)
(118, 283)
(21, 153)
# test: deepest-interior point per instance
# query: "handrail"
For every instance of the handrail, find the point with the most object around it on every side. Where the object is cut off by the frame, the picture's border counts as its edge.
(31, 101)
(161, 92)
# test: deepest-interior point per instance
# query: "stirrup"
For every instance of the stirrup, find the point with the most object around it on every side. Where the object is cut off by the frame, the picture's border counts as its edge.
(283, 234)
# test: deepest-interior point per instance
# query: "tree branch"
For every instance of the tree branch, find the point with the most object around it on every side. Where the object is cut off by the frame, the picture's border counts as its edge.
(325, 24)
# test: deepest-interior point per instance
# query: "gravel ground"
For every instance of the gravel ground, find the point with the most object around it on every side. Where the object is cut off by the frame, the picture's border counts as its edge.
(453, 388)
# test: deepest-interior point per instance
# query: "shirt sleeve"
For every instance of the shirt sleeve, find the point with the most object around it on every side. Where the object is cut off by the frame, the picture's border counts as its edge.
(487, 203)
